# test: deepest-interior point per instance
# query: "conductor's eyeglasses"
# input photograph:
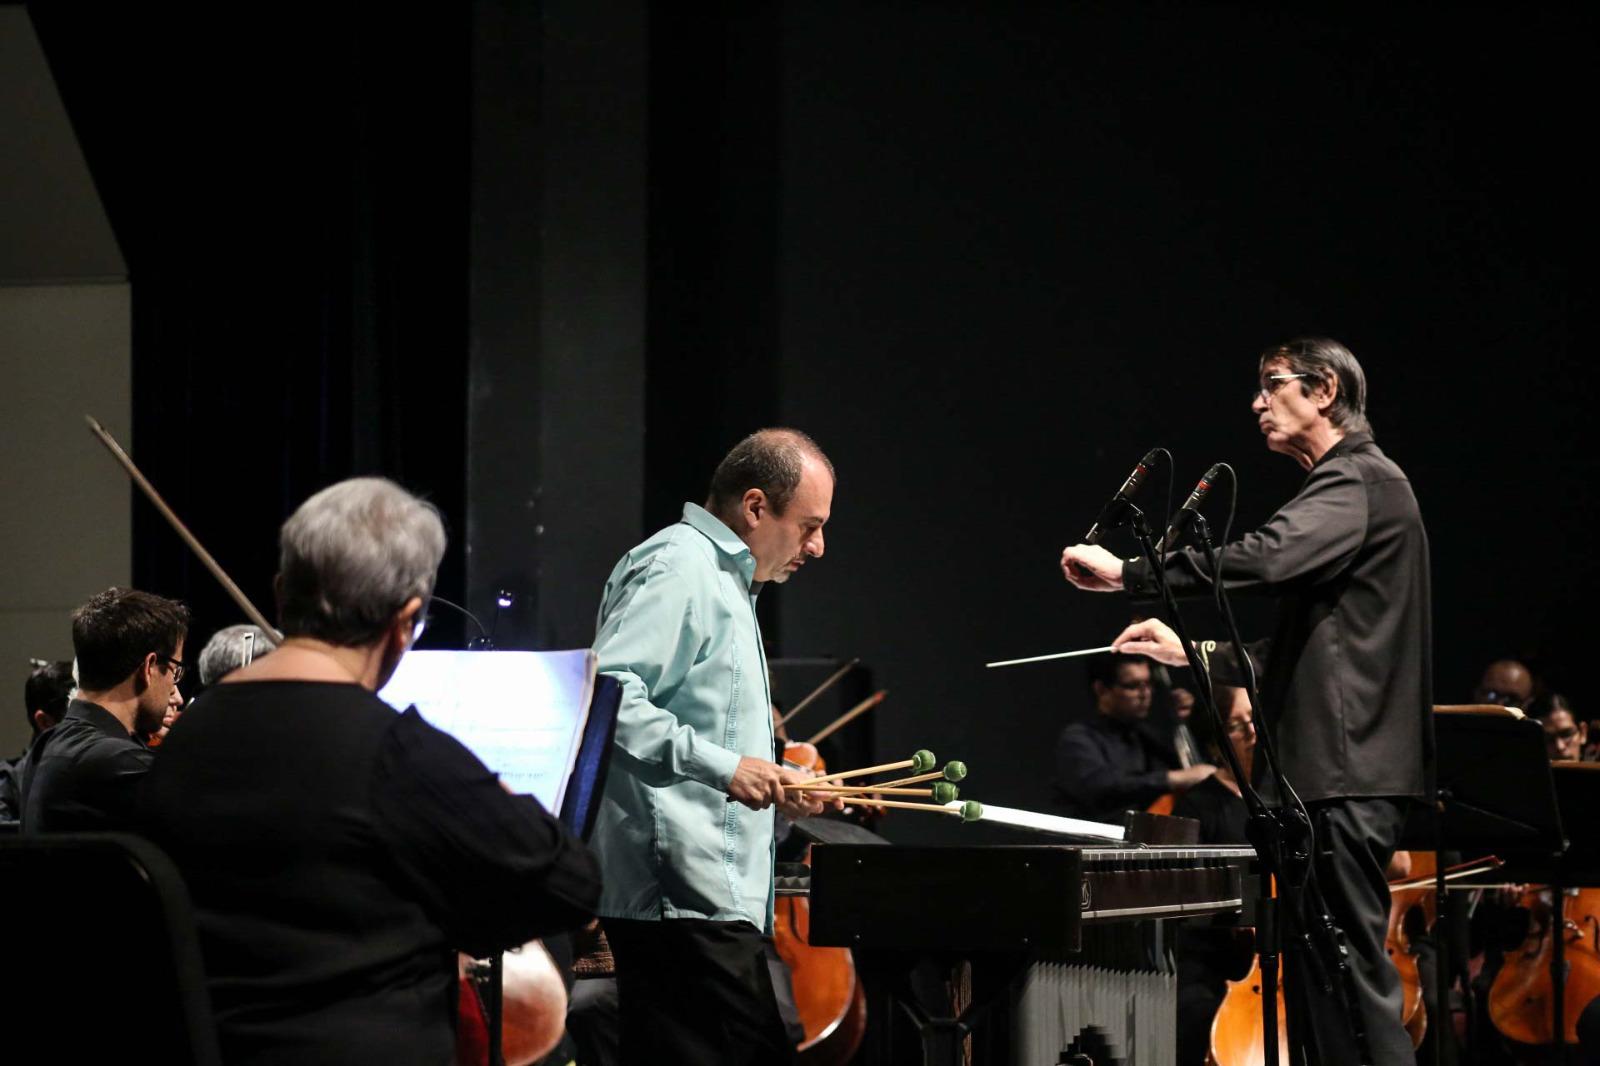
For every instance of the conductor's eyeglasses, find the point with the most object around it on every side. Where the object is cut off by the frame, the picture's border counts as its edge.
(1272, 383)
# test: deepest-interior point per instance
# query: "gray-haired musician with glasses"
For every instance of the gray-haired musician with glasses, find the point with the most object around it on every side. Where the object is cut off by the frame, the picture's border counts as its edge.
(1346, 679)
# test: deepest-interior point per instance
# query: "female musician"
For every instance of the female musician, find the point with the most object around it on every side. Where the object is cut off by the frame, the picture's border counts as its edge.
(338, 853)
(1210, 956)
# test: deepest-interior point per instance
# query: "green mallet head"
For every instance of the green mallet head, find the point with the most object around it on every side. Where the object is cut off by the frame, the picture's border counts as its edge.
(971, 811)
(945, 792)
(955, 770)
(922, 761)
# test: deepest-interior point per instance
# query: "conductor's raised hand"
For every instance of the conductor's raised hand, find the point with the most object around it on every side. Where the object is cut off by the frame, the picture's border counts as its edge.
(1092, 568)
(756, 783)
(1152, 638)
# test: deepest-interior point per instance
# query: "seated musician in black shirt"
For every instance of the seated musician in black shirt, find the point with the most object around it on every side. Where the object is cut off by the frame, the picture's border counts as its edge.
(338, 853)
(45, 699)
(81, 775)
(1114, 762)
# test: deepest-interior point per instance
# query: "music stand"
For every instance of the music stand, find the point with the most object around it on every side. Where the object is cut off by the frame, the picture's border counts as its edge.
(1496, 794)
(587, 782)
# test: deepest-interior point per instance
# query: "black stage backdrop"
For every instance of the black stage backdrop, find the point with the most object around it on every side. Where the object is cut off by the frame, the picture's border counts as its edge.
(290, 192)
(986, 253)
(1022, 247)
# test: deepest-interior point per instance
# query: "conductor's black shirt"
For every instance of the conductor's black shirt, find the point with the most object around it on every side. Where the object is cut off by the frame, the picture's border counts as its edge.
(1348, 671)
(338, 855)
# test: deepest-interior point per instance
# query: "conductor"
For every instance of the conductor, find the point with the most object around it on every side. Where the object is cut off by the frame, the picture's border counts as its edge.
(1346, 676)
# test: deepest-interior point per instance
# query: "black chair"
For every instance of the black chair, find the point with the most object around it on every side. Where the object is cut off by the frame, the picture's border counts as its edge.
(101, 956)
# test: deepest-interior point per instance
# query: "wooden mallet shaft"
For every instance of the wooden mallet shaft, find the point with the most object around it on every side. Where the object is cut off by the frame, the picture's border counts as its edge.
(904, 806)
(849, 716)
(969, 811)
(883, 768)
(937, 775)
(860, 790)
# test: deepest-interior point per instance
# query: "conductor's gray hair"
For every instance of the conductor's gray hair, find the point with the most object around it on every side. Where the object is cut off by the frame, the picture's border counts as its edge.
(352, 556)
(224, 652)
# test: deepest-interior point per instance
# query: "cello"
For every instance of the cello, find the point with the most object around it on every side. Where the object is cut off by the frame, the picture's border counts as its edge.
(1236, 1030)
(1521, 1000)
(828, 994)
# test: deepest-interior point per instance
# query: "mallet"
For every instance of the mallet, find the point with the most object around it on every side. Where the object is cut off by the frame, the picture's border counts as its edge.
(921, 762)
(970, 811)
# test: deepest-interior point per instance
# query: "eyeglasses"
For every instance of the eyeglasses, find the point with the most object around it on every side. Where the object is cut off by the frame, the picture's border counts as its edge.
(177, 666)
(1561, 734)
(1272, 383)
(1240, 728)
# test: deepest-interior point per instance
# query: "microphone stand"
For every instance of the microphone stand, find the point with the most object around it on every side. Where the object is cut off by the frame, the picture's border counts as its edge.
(1284, 829)
(1281, 845)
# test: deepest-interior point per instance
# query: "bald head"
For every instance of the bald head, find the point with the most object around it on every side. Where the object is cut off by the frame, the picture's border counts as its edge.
(1506, 682)
(772, 460)
(775, 491)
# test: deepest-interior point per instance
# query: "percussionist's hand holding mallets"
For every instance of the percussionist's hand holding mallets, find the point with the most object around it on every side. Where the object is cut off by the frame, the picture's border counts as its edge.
(759, 784)
(1092, 568)
(798, 802)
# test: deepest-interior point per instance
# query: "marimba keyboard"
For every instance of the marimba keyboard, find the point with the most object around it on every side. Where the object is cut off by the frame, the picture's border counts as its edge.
(1063, 944)
(1010, 897)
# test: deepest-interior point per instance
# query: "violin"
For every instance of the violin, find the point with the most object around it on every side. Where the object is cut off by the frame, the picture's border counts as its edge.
(827, 992)
(1521, 1000)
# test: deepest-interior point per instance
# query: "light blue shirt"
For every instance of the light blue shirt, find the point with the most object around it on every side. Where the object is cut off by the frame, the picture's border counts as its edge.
(678, 629)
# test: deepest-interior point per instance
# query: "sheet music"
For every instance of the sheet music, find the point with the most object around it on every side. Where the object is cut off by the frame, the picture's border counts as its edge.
(521, 712)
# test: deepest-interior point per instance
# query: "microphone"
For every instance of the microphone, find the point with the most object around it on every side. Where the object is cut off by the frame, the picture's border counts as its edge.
(1112, 511)
(1186, 513)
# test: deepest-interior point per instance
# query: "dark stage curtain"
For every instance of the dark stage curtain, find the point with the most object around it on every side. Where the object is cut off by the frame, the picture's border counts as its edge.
(290, 187)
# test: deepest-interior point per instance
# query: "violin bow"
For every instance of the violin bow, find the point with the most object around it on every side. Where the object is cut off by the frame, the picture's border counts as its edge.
(819, 690)
(849, 716)
(182, 530)
(1452, 873)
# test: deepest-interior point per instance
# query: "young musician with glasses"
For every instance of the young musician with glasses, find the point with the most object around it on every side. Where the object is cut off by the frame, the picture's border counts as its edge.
(1115, 760)
(81, 774)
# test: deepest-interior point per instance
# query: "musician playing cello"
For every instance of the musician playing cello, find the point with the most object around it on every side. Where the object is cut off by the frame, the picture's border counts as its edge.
(1346, 677)
(338, 853)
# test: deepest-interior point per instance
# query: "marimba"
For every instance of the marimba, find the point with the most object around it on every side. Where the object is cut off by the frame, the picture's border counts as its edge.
(1059, 939)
